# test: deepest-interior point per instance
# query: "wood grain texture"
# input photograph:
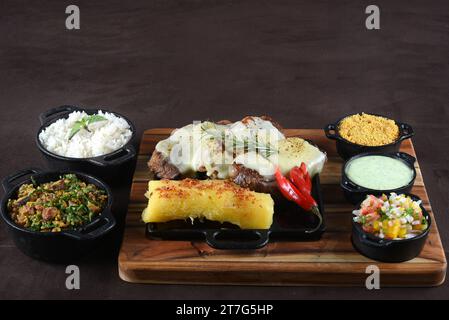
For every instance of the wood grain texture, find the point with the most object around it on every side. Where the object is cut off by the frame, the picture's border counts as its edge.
(330, 261)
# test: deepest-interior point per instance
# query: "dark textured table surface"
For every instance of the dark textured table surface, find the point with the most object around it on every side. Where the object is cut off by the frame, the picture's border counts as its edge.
(166, 63)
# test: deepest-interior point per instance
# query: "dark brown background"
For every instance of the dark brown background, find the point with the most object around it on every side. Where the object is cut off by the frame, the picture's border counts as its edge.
(166, 63)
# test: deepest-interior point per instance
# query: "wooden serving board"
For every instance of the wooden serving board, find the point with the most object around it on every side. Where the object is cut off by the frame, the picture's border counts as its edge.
(328, 262)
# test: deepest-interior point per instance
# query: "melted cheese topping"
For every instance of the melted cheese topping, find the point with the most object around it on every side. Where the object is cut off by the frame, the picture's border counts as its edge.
(256, 144)
(294, 151)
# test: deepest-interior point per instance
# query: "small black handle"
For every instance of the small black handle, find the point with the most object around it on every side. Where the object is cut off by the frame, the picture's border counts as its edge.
(224, 244)
(115, 158)
(328, 129)
(7, 182)
(350, 186)
(366, 241)
(58, 111)
(107, 223)
(406, 131)
(407, 158)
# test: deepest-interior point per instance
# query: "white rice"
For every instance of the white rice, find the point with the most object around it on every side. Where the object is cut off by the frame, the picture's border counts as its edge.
(105, 136)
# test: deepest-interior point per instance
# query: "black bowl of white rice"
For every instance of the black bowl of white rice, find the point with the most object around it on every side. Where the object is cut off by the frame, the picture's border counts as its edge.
(93, 141)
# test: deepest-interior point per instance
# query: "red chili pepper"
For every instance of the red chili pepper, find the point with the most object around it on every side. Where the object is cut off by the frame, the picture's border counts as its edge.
(306, 176)
(288, 189)
(303, 199)
(309, 200)
(297, 177)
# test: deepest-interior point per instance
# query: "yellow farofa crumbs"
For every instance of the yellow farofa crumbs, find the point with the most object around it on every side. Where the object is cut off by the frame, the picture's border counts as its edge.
(368, 130)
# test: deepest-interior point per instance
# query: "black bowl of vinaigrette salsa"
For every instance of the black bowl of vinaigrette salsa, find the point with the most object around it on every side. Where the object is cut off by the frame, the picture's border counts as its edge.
(383, 248)
(56, 216)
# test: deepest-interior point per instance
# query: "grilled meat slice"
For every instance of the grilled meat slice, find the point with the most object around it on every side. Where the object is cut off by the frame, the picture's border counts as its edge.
(163, 169)
(251, 179)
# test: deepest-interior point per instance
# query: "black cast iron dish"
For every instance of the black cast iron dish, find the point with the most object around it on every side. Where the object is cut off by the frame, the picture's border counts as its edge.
(290, 222)
(113, 167)
(64, 246)
(355, 193)
(389, 250)
(347, 149)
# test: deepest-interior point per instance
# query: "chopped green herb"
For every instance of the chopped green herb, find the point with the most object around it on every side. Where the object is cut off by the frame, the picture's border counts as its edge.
(84, 124)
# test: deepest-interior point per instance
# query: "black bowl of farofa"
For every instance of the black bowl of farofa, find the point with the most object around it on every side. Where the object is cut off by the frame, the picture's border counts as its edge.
(67, 245)
(382, 134)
